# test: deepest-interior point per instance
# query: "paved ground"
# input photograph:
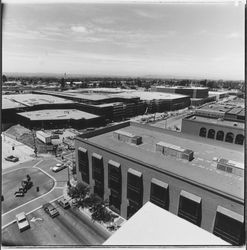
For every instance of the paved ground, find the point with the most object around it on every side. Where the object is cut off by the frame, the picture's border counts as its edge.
(23, 152)
(71, 227)
(11, 182)
(44, 165)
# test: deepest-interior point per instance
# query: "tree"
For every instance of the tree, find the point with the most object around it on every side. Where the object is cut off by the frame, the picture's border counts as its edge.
(62, 83)
(82, 190)
(4, 78)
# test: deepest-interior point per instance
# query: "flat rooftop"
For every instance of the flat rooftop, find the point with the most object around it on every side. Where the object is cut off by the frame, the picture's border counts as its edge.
(180, 87)
(152, 225)
(148, 95)
(218, 92)
(126, 94)
(57, 114)
(28, 100)
(225, 123)
(202, 169)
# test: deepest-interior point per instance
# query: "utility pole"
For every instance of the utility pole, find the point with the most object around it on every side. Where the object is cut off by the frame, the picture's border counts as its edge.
(34, 142)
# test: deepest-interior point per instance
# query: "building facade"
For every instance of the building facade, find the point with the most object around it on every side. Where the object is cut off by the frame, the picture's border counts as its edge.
(130, 173)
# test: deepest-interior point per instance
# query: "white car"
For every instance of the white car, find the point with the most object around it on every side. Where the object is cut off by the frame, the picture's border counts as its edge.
(22, 221)
(58, 167)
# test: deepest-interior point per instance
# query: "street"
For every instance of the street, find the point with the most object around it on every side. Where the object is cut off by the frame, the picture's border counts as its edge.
(71, 227)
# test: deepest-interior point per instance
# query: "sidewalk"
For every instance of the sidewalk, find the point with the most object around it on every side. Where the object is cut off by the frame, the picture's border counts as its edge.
(117, 221)
(23, 152)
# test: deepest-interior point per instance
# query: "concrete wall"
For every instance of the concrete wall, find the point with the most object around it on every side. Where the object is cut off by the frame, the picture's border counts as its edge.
(210, 199)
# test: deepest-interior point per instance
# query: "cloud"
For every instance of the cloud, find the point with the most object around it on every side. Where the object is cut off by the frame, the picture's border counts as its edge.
(233, 35)
(79, 29)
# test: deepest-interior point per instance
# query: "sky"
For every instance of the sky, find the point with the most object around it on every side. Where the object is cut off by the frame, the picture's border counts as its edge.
(165, 40)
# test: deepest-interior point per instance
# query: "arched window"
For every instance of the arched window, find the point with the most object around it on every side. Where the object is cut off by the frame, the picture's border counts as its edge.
(211, 133)
(229, 137)
(239, 139)
(203, 132)
(220, 136)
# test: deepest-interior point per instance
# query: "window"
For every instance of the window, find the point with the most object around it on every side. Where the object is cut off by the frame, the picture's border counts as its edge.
(220, 136)
(115, 201)
(98, 174)
(115, 185)
(132, 209)
(203, 132)
(159, 194)
(229, 226)
(134, 186)
(83, 164)
(211, 133)
(239, 139)
(190, 207)
(229, 137)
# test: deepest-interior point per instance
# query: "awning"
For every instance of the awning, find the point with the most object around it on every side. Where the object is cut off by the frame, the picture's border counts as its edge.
(97, 156)
(230, 214)
(114, 163)
(134, 172)
(159, 183)
(82, 150)
(190, 196)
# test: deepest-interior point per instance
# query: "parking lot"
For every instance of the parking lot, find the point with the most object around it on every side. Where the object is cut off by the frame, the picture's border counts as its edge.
(70, 228)
(11, 182)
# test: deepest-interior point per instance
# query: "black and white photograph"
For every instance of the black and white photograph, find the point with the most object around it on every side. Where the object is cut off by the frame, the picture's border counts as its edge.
(123, 123)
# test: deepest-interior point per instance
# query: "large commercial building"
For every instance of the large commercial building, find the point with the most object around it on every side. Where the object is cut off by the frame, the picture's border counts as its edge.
(200, 181)
(58, 118)
(13, 104)
(192, 92)
(198, 95)
(116, 104)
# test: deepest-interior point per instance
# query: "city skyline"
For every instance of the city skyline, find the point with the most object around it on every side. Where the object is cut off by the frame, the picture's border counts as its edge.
(138, 40)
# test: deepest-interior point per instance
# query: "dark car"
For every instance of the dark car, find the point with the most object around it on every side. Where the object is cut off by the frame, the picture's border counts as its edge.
(60, 132)
(12, 158)
(51, 210)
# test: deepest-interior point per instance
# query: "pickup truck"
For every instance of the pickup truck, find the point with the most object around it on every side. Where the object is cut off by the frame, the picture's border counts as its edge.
(22, 221)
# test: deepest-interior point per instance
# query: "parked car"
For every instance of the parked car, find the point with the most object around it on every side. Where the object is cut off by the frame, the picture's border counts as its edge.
(63, 203)
(12, 158)
(58, 131)
(22, 221)
(58, 167)
(50, 209)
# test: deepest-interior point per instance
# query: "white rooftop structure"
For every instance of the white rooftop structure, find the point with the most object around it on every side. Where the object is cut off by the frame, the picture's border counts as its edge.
(29, 100)
(152, 225)
(58, 114)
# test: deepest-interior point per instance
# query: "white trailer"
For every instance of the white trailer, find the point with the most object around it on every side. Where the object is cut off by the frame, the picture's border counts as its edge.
(44, 137)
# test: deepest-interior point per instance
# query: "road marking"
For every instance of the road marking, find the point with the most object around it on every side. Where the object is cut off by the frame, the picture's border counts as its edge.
(34, 219)
(22, 167)
(13, 221)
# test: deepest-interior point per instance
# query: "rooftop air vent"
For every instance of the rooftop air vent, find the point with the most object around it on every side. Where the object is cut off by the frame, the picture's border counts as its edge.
(127, 137)
(230, 166)
(175, 151)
